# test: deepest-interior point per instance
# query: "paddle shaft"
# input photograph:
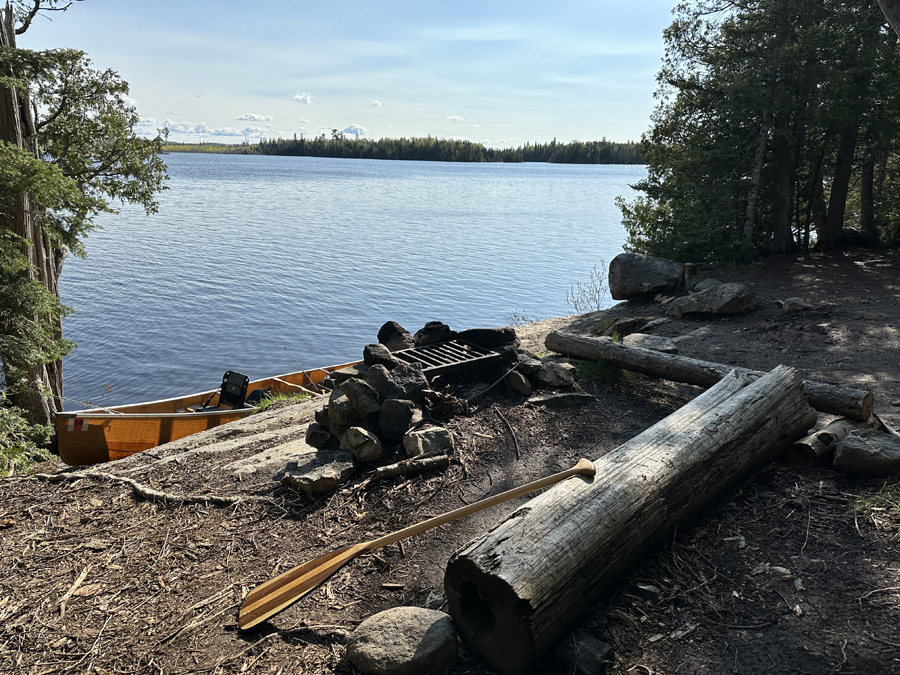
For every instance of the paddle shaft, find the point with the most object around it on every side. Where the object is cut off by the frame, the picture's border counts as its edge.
(278, 593)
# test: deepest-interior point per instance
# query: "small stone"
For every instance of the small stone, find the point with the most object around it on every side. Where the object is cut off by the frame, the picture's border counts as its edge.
(365, 446)
(430, 441)
(519, 383)
(798, 584)
(319, 437)
(792, 305)
(528, 365)
(704, 284)
(553, 374)
(403, 641)
(318, 473)
(344, 374)
(800, 562)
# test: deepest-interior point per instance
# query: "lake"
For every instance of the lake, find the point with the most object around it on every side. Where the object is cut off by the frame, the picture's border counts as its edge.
(268, 264)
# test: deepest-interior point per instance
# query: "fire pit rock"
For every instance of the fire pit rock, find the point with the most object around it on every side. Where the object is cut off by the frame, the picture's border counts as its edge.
(428, 441)
(395, 337)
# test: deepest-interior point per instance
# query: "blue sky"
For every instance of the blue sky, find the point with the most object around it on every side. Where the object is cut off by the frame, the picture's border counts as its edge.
(499, 72)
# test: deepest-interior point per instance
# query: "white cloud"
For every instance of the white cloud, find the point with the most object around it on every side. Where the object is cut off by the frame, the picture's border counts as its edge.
(455, 119)
(477, 126)
(355, 130)
(130, 101)
(303, 131)
(322, 129)
(171, 113)
(458, 138)
(303, 97)
(253, 117)
(303, 121)
(376, 104)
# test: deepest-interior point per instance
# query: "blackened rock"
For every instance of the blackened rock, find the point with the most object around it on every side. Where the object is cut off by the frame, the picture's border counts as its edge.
(519, 383)
(582, 654)
(721, 299)
(432, 333)
(340, 409)
(489, 338)
(868, 453)
(553, 374)
(319, 437)
(345, 374)
(406, 381)
(395, 337)
(398, 416)
(377, 353)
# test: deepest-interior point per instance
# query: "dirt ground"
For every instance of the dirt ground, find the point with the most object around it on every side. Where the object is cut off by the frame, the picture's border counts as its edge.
(790, 574)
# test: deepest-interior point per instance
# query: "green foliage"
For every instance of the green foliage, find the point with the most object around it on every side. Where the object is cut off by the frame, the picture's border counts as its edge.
(279, 400)
(449, 150)
(590, 295)
(767, 111)
(21, 444)
(602, 325)
(886, 498)
(602, 371)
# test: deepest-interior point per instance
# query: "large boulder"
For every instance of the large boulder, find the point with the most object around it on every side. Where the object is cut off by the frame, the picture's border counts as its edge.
(722, 299)
(632, 275)
(406, 381)
(403, 641)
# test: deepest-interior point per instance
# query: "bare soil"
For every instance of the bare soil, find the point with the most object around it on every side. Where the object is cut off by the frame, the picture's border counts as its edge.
(96, 578)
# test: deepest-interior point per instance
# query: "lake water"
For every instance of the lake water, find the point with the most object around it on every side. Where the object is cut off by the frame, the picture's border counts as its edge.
(266, 264)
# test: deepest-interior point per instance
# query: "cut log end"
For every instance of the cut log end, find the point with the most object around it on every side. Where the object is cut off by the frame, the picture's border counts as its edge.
(484, 608)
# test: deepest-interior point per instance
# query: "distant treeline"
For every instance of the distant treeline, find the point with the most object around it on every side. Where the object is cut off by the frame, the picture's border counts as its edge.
(445, 150)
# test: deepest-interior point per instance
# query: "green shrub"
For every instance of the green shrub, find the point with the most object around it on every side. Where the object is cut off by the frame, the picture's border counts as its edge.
(280, 399)
(21, 444)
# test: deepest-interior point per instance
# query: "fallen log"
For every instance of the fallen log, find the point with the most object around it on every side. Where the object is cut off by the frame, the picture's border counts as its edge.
(828, 398)
(513, 592)
(817, 449)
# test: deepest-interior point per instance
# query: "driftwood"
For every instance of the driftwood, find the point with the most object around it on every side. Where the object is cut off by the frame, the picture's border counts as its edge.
(513, 592)
(828, 398)
(817, 449)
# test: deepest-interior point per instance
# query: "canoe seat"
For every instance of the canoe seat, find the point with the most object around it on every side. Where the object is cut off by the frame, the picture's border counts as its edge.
(231, 394)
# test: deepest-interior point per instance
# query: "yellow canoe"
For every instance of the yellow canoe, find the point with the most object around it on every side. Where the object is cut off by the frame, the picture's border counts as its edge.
(103, 434)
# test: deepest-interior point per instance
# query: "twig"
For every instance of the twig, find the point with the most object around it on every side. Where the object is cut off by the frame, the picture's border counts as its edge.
(410, 466)
(72, 589)
(879, 590)
(194, 624)
(503, 377)
(148, 492)
(509, 426)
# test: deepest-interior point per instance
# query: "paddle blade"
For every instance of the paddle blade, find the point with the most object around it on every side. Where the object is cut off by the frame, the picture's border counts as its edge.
(285, 589)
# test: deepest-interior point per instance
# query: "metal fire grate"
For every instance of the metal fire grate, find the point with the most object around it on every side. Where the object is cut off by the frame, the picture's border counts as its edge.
(445, 357)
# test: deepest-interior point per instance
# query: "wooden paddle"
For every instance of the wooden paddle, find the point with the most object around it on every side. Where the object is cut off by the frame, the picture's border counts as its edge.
(277, 594)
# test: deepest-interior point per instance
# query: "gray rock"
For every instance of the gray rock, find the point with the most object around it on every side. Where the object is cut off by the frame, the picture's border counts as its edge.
(406, 381)
(868, 453)
(648, 592)
(403, 641)
(792, 305)
(566, 399)
(626, 325)
(271, 462)
(519, 383)
(398, 416)
(319, 472)
(433, 332)
(319, 437)
(580, 653)
(489, 338)
(723, 299)
(528, 365)
(654, 342)
(377, 353)
(362, 397)
(430, 441)
(705, 284)
(364, 445)
(345, 374)
(650, 325)
(554, 374)
(632, 275)
(340, 409)
(395, 337)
